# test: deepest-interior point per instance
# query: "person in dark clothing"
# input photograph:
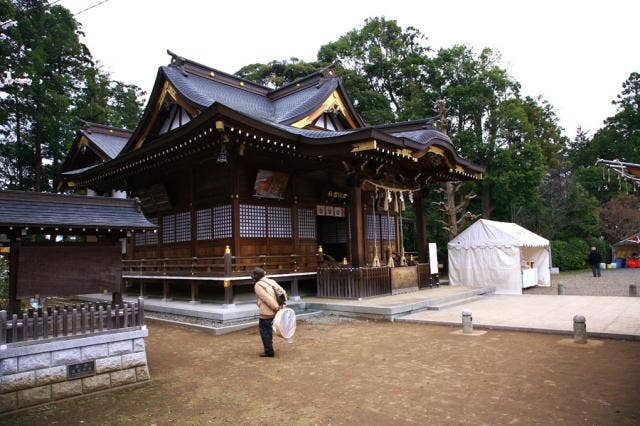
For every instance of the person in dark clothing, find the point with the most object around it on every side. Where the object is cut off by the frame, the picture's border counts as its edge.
(594, 260)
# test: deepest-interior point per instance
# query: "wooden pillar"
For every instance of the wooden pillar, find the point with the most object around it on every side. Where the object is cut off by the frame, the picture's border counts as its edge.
(295, 292)
(166, 291)
(192, 211)
(356, 222)
(141, 288)
(194, 292)
(421, 227)
(228, 293)
(14, 302)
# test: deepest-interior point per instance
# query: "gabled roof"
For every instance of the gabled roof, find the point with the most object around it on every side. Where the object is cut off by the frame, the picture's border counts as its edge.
(200, 87)
(105, 142)
(20, 209)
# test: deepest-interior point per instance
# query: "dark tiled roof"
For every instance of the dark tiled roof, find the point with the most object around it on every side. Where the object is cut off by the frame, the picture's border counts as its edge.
(35, 209)
(110, 144)
(422, 136)
(204, 92)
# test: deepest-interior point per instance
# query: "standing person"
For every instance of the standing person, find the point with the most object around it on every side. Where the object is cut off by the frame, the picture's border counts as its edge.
(594, 260)
(267, 307)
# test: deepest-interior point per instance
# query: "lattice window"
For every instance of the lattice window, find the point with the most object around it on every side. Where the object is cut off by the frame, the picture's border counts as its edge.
(152, 236)
(222, 223)
(252, 221)
(307, 223)
(183, 227)
(203, 224)
(140, 239)
(169, 229)
(387, 228)
(372, 232)
(279, 222)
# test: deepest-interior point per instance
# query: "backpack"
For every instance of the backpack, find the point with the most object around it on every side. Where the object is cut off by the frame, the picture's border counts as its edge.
(281, 295)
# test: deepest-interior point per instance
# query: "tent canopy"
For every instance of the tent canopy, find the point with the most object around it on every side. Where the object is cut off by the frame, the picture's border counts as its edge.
(489, 233)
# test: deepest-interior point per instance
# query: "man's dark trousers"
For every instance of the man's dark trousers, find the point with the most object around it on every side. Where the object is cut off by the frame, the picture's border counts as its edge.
(596, 270)
(266, 333)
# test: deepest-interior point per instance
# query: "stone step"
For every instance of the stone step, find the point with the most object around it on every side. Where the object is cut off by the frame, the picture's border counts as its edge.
(453, 303)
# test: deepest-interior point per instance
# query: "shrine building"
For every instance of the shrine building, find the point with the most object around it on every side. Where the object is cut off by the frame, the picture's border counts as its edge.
(238, 175)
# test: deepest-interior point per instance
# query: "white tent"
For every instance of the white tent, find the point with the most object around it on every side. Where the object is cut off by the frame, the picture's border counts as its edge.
(490, 253)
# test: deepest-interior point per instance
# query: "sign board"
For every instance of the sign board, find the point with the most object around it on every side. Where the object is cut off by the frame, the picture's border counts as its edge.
(83, 369)
(433, 258)
(323, 210)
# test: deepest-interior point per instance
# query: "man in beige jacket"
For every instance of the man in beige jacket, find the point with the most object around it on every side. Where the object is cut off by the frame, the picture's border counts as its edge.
(267, 308)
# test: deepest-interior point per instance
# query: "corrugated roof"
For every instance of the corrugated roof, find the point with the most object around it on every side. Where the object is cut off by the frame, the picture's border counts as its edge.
(110, 144)
(35, 209)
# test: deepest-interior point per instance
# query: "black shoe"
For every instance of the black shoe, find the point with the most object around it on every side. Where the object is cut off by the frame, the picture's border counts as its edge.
(267, 354)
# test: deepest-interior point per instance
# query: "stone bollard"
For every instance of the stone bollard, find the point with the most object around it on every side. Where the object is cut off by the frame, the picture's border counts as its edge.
(633, 291)
(467, 321)
(560, 289)
(579, 329)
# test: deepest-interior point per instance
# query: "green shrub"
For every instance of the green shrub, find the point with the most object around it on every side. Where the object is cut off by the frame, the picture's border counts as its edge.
(570, 254)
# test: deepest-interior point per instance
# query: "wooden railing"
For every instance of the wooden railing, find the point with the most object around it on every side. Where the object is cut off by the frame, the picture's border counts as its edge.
(425, 278)
(67, 321)
(226, 265)
(353, 283)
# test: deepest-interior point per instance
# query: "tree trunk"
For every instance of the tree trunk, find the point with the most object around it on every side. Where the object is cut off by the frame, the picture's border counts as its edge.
(485, 198)
(452, 217)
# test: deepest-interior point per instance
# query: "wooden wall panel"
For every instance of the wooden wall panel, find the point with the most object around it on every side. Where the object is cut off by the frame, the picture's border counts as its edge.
(65, 270)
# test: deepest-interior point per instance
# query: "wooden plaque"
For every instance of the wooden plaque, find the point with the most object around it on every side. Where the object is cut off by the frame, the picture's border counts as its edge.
(68, 269)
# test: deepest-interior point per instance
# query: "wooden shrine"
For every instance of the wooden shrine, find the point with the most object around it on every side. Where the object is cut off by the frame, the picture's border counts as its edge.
(237, 175)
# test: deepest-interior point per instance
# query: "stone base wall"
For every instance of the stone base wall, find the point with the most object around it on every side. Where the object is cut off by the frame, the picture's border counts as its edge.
(37, 372)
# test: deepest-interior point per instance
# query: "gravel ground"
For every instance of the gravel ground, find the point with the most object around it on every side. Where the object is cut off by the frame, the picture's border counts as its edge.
(613, 282)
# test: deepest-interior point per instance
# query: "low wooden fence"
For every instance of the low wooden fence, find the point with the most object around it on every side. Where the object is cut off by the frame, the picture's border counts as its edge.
(72, 320)
(353, 283)
(425, 278)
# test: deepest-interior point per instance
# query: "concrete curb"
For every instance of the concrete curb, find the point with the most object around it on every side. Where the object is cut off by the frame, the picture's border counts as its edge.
(594, 334)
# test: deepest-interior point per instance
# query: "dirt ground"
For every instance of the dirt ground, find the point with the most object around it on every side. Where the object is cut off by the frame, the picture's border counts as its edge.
(348, 372)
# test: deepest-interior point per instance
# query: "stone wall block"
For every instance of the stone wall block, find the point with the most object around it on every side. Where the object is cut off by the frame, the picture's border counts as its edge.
(13, 382)
(121, 347)
(123, 377)
(66, 389)
(112, 363)
(9, 366)
(138, 345)
(46, 376)
(8, 401)
(33, 396)
(95, 351)
(35, 361)
(135, 359)
(142, 373)
(96, 383)
(67, 356)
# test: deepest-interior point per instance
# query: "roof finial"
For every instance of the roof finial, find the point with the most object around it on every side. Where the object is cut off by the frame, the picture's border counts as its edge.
(442, 123)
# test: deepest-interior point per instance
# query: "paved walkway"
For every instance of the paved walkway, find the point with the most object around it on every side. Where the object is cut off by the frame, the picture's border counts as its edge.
(606, 316)
(613, 282)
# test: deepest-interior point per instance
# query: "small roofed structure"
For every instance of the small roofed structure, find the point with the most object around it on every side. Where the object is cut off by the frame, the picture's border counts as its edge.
(627, 249)
(62, 245)
(501, 255)
(94, 144)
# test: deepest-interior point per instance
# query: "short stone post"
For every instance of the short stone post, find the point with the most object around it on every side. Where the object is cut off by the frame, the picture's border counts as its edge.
(633, 290)
(579, 329)
(560, 289)
(467, 321)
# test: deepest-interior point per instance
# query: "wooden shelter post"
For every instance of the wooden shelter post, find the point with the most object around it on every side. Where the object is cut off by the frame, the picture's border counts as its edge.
(421, 227)
(14, 253)
(356, 222)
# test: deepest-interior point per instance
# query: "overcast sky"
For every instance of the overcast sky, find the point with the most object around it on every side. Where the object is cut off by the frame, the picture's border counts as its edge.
(576, 54)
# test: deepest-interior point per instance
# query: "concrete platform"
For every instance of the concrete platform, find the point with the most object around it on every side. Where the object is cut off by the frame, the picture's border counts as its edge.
(390, 307)
(611, 317)
(384, 307)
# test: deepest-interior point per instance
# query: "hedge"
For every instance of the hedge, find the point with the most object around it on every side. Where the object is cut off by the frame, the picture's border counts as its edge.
(570, 254)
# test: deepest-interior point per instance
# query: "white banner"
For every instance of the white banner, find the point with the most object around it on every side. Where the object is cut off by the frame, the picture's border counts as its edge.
(433, 258)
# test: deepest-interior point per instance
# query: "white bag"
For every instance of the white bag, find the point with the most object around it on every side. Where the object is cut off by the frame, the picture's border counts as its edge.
(284, 323)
